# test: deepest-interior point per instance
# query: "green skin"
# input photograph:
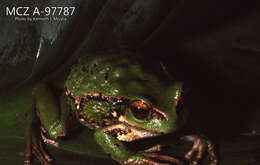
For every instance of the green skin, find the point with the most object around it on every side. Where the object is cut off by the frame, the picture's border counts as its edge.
(114, 95)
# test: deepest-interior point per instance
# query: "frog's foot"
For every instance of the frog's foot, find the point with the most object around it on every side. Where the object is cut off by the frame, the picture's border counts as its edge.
(38, 150)
(49, 141)
(151, 159)
(149, 156)
(36, 147)
(200, 145)
(41, 154)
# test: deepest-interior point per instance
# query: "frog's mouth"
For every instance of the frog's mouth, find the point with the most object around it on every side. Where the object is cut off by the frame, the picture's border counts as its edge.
(80, 101)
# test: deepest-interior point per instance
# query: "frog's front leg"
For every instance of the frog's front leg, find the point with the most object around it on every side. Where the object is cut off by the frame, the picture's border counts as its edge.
(109, 138)
(200, 145)
(46, 121)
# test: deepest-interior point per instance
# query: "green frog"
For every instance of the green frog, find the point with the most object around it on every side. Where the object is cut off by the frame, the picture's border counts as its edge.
(122, 100)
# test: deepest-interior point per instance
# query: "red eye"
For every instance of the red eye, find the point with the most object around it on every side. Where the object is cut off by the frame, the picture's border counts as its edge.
(140, 110)
(139, 104)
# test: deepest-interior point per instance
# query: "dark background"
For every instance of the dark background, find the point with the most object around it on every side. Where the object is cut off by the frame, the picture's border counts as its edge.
(212, 46)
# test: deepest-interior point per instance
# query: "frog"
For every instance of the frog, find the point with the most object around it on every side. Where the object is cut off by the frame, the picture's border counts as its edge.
(121, 99)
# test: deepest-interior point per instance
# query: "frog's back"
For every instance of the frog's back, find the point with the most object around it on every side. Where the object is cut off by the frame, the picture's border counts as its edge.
(99, 84)
(90, 84)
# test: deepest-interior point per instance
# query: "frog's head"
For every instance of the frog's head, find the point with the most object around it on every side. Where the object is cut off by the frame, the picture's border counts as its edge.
(145, 97)
(156, 110)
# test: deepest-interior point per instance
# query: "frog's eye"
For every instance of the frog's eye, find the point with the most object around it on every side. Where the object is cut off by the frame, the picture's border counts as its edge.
(140, 110)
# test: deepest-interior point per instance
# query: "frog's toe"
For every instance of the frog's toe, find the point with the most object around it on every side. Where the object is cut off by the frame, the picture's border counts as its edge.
(155, 148)
(41, 154)
(150, 152)
(48, 140)
(151, 159)
(165, 158)
(200, 146)
(36, 148)
(143, 161)
(27, 161)
(212, 154)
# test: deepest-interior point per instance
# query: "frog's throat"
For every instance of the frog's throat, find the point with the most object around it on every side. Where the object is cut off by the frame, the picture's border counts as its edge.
(123, 120)
(128, 133)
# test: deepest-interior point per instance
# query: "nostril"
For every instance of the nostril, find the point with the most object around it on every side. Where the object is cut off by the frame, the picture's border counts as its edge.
(158, 114)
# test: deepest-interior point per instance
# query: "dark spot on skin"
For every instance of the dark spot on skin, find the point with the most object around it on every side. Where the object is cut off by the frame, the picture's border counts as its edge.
(81, 117)
(112, 100)
(101, 97)
(125, 132)
(117, 144)
(71, 97)
(106, 76)
(116, 132)
(111, 133)
(129, 130)
(84, 69)
(90, 97)
(110, 117)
